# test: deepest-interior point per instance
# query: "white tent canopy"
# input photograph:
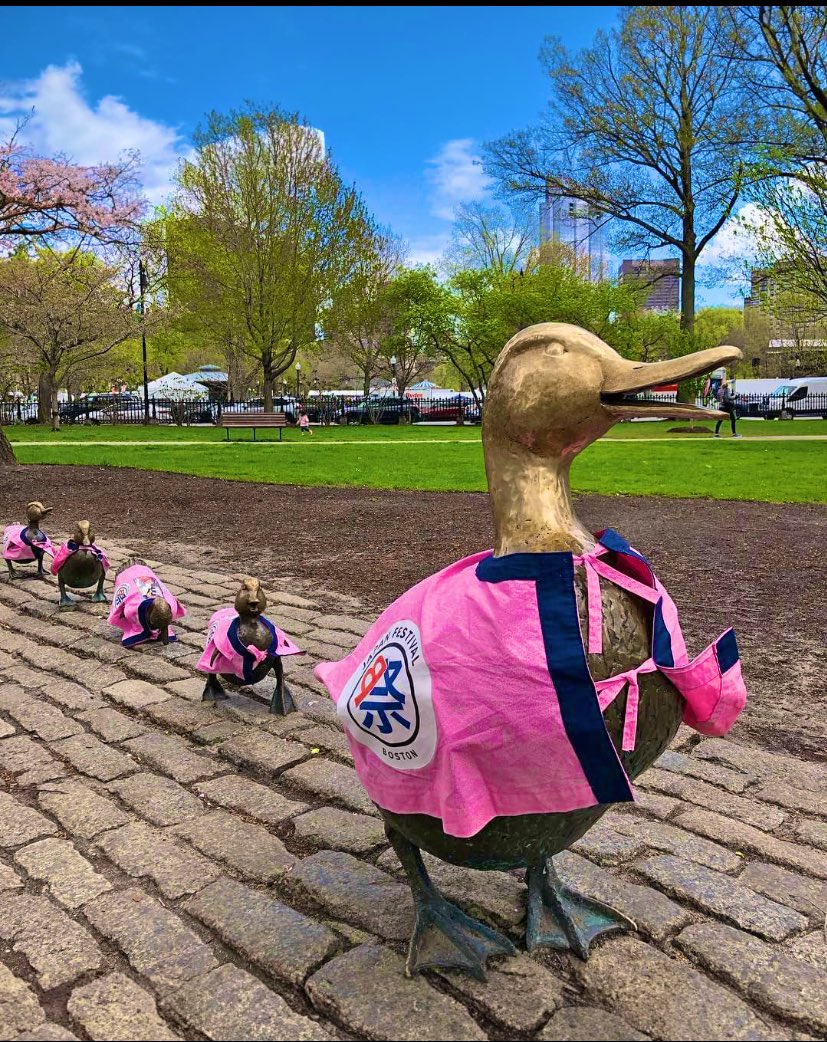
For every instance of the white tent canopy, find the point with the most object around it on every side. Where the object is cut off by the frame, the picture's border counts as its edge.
(174, 385)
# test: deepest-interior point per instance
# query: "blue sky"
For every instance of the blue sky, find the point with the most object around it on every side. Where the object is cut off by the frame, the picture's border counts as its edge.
(405, 96)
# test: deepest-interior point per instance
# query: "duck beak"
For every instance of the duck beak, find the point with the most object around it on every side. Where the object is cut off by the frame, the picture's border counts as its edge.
(625, 379)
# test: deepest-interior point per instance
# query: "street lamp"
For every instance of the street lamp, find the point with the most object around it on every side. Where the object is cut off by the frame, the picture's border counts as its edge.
(298, 377)
(393, 371)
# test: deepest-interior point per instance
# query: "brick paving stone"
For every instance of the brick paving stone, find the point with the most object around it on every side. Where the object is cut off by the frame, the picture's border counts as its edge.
(673, 840)
(813, 832)
(21, 824)
(365, 989)
(810, 802)
(251, 798)
(519, 994)
(20, 755)
(6, 729)
(72, 881)
(293, 600)
(354, 891)
(12, 695)
(721, 895)
(498, 897)
(79, 810)
(811, 948)
(44, 720)
(111, 725)
(116, 1009)
(229, 1003)
(182, 715)
(805, 895)
(344, 641)
(358, 627)
(158, 798)
(666, 998)
(701, 794)
(19, 1008)
(155, 941)
(141, 851)
(789, 987)
(326, 738)
(58, 949)
(604, 844)
(653, 913)
(38, 775)
(744, 837)
(9, 879)
(217, 732)
(69, 695)
(135, 694)
(330, 781)
(46, 1033)
(250, 849)
(264, 753)
(587, 1024)
(281, 941)
(174, 756)
(772, 766)
(31, 679)
(92, 756)
(334, 829)
(156, 670)
(190, 689)
(93, 675)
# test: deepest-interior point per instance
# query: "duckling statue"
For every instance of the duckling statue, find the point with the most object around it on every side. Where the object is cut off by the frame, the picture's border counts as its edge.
(22, 543)
(243, 644)
(142, 607)
(79, 564)
(498, 708)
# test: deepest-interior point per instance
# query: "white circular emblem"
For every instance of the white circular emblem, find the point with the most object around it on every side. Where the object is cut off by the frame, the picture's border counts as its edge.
(120, 595)
(387, 706)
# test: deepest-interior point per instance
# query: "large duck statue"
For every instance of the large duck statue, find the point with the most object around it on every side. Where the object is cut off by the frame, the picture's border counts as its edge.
(80, 564)
(142, 606)
(498, 708)
(243, 646)
(26, 543)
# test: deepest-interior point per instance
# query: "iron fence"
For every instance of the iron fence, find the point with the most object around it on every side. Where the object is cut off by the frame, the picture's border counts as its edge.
(324, 409)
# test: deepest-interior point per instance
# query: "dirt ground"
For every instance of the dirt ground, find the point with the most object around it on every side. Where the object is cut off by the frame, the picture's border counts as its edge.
(757, 566)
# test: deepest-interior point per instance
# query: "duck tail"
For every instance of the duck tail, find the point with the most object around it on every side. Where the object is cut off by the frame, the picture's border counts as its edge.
(130, 561)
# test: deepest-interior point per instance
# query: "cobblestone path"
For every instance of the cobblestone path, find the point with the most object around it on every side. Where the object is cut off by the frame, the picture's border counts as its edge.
(172, 869)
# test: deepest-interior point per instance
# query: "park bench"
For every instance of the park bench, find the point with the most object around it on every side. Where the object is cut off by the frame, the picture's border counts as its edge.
(256, 420)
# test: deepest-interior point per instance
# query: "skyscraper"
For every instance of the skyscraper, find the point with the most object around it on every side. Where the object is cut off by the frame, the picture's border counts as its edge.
(574, 225)
(662, 276)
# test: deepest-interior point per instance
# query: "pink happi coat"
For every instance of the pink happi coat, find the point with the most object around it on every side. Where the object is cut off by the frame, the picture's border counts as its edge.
(224, 653)
(135, 589)
(470, 698)
(70, 547)
(17, 546)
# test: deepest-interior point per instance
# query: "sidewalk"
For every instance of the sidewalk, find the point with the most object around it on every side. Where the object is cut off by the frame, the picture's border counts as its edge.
(172, 869)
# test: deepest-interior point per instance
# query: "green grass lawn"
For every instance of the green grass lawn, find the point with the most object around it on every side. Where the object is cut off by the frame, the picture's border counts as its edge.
(450, 458)
(380, 432)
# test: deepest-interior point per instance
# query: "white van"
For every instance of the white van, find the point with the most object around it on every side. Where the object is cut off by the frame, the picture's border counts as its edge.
(803, 396)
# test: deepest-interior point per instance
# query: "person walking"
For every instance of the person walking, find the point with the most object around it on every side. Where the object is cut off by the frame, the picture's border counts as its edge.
(726, 403)
(304, 423)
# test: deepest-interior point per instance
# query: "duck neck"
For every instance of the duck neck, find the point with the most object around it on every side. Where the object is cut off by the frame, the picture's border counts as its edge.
(531, 502)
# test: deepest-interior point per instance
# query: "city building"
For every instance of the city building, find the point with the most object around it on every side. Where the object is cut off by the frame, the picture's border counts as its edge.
(662, 276)
(576, 227)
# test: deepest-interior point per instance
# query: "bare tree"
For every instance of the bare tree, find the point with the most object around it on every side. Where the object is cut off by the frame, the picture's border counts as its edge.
(496, 238)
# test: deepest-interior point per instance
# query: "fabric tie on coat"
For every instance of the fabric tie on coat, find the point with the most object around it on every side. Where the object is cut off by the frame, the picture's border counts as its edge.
(609, 689)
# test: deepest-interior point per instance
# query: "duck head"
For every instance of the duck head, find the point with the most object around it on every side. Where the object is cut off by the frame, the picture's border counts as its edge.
(250, 601)
(159, 618)
(35, 512)
(84, 533)
(555, 389)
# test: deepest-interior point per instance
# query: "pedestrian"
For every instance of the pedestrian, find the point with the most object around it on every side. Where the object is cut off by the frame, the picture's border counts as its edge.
(726, 403)
(304, 423)
(713, 383)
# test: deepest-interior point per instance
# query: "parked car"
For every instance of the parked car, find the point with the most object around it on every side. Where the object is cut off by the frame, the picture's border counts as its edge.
(380, 409)
(106, 404)
(281, 403)
(441, 410)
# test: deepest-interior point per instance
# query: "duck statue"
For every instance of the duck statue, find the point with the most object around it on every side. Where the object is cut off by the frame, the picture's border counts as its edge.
(26, 543)
(80, 564)
(244, 645)
(142, 606)
(499, 707)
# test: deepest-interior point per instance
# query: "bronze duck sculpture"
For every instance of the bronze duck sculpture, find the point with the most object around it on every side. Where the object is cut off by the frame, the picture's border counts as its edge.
(142, 606)
(243, 645)
(486, 727)
(80, 564)
(27, 543)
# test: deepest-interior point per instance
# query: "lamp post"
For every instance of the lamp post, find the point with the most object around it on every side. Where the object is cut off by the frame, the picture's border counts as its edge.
(143, 285)
(298, 377)
(395, 382)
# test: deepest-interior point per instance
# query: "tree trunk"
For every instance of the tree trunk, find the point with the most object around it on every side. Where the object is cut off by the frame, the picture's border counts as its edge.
(268, 391)
(54, 409)
(687, 315)
(44, 398)
(6, 451)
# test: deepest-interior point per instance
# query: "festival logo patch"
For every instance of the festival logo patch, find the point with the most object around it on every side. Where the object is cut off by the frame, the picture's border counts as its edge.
(146, 586)
(387, 706)
(121, 594)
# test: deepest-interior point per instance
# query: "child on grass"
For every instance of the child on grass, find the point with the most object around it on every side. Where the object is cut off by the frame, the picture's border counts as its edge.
(304, 422)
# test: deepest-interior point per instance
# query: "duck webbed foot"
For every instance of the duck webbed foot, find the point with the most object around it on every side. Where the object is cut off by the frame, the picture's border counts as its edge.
(12, 573)
(452, 939)
(571, 922)
(66, 603)
(282, 701)
(213, 691)
(99, 596)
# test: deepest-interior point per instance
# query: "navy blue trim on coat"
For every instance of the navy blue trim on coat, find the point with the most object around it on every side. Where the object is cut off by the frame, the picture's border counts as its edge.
(553, 574)
(146, 632)
(661, 639)
(247, 658)
(726, 648)
(614, 541)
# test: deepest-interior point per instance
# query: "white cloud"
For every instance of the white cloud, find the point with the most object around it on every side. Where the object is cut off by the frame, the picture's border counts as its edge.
(456, 175)
(428, 249)
(64, 121)
(736, 241)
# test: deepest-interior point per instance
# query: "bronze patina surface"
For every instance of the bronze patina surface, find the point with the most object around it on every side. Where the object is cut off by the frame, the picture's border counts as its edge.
(35, 512)
(82, 569)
